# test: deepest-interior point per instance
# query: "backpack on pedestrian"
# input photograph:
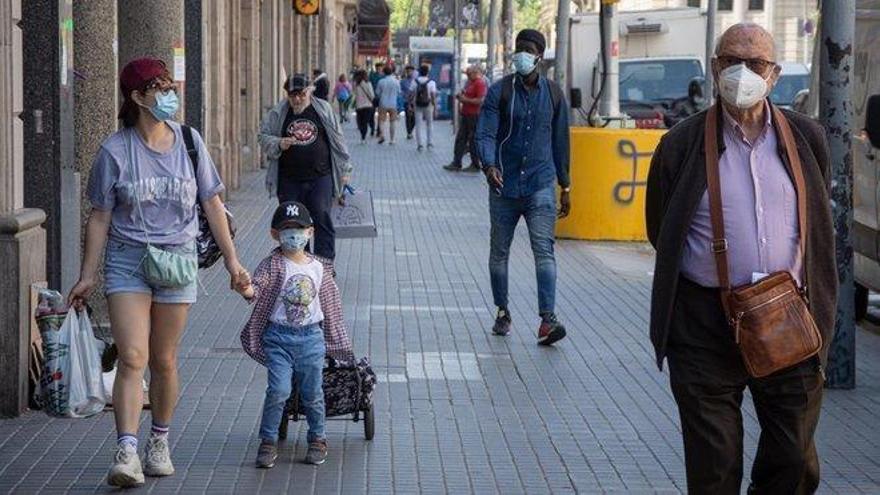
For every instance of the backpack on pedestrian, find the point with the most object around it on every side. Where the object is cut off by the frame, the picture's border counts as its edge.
(423, 95)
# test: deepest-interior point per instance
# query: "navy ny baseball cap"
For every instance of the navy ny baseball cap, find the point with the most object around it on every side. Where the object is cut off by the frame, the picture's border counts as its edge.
(291, 214)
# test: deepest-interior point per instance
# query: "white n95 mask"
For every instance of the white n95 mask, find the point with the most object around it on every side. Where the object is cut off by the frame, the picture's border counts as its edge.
(741, 87)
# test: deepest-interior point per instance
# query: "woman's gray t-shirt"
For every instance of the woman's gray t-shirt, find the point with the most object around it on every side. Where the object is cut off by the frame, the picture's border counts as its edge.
(166, 183)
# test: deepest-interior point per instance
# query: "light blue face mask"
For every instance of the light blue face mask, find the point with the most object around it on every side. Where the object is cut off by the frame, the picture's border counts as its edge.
(166, 105)
(524, 63)
(293, 240)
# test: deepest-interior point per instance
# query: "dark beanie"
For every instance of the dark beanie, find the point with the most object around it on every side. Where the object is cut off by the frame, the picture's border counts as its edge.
(535, 37)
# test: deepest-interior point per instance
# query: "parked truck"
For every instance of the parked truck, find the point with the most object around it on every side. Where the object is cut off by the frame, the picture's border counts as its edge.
(866, 152)
(661, 51)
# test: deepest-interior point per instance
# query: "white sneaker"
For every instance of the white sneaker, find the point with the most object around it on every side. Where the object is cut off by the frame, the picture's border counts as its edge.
(126, 470)
(157, 457)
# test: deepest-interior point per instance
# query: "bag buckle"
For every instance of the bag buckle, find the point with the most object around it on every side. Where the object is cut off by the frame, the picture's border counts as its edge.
(719, 245)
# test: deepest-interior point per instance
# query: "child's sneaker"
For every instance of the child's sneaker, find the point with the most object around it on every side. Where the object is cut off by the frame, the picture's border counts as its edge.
(157, 457)
(267, 455)
(126, 470)
(317, 453)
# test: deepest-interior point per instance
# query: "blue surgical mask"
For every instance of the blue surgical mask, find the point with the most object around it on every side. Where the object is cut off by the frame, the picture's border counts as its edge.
(166, 105)
(293, 240)
(524, 62)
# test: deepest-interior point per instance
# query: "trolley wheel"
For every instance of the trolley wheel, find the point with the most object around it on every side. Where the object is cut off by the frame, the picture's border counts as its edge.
(369, 423)
(282, 428)
(861, 298)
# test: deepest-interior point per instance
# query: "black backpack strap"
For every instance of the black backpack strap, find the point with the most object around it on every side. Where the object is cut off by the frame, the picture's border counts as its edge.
(504, 104)
(190, 146)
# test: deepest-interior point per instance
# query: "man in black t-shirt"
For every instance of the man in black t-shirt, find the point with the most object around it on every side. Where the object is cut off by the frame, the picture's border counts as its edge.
(305, 165)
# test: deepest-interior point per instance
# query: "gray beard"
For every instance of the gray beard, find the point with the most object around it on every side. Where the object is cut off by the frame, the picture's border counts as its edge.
(300, 108)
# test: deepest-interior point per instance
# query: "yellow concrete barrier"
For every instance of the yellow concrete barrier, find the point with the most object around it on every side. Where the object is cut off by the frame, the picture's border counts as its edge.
(609, 169)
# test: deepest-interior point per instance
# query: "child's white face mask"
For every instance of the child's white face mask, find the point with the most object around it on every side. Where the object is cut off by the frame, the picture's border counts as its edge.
(293, 240)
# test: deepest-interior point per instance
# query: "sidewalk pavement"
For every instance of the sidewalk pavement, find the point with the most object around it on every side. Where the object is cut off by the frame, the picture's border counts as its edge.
(458, 410)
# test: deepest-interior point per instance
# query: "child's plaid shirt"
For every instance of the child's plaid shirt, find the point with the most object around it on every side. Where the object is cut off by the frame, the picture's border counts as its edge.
(267, 281)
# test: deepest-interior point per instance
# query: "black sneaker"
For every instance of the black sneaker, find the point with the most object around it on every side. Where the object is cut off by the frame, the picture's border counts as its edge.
(502, 322)
(452, 167)
(475, 169)
(317, 452)
(550, 330)
(267, 455)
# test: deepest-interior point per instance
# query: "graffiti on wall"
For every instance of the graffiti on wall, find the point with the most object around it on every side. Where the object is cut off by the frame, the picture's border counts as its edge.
(625, 190)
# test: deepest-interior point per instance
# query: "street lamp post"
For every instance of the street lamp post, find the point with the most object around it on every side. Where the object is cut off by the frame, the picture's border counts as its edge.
(835, 113)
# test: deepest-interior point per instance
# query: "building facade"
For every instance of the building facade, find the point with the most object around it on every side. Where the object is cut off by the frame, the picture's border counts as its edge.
(59, 100)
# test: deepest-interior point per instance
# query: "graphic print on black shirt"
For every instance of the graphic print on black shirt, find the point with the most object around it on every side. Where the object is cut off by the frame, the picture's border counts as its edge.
(309, 156)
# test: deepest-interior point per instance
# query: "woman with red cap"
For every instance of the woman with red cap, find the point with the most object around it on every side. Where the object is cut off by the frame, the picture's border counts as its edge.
(143, 189)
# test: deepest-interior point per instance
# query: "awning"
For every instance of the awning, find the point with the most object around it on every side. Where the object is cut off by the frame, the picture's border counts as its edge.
(373, 35)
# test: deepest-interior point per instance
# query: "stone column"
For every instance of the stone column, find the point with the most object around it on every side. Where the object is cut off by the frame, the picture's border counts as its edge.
(271, 62)
(52, 182)
(153, 29)
(740, 9)
(233, 96)
(22, 239)
(250, 92)
(216, 98)
(95, 96)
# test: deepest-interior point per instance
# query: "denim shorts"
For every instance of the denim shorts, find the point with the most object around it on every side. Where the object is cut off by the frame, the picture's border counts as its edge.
(124, 272)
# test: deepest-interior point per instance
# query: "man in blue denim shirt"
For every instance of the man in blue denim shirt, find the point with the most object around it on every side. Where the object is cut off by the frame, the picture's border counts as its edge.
(522, 140)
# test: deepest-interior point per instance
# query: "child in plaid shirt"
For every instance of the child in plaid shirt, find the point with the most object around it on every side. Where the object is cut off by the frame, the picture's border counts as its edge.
(297, 319)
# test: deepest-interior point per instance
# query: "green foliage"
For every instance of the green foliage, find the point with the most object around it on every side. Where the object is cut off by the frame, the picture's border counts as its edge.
(527, 15)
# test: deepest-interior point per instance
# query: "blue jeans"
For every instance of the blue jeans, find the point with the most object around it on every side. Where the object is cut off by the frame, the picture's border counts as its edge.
(539, 209)
(293, 352)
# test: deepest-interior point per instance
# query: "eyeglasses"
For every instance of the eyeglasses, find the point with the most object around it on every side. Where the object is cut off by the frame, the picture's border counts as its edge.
(756, 65)
(297, 94)
(160, 84)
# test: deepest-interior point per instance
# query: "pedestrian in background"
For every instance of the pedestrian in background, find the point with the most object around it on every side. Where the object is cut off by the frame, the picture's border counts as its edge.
(321, 84)
(425, 98)
(363, 101)
(406, 90)
(471, 99)
(143, 189)
(388, 91)
(342, 93)
(522, 140)
(308, 158)
(760, 215)
(375, 76)
(297, 319)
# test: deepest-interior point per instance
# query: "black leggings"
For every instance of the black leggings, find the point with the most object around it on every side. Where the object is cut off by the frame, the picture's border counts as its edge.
(364, 117)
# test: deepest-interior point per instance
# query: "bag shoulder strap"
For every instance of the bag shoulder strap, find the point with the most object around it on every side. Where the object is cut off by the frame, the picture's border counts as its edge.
(713, 179)
(190, 146)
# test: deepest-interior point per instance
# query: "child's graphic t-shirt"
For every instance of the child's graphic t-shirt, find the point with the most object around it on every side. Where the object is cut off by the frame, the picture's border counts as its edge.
(298, 304)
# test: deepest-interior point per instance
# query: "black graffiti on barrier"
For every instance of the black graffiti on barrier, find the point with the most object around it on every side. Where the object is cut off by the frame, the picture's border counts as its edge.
(625, 191)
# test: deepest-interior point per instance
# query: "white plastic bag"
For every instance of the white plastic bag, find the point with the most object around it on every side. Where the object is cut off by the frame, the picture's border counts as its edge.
(87, 395)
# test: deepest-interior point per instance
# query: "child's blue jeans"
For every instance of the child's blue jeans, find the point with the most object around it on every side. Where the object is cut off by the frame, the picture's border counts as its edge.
(294, 352)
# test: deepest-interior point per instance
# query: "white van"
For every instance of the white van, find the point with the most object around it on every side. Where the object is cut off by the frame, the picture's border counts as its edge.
(866, 152)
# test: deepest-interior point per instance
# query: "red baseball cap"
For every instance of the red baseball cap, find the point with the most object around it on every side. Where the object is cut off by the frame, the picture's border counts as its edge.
(139, 72)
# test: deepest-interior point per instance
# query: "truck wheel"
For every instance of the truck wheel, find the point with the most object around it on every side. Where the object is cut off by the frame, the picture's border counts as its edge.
(369, 424)
(861, 302)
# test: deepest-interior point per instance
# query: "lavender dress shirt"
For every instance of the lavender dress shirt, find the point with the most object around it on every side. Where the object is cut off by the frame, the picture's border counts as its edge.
(760, 212)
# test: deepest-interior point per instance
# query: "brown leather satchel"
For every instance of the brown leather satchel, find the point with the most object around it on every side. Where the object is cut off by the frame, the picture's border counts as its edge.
(770, 318)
